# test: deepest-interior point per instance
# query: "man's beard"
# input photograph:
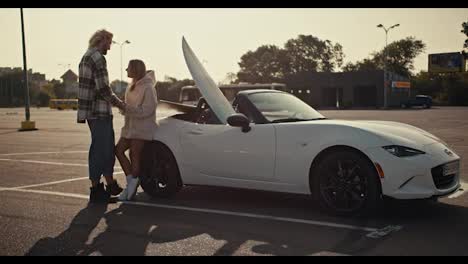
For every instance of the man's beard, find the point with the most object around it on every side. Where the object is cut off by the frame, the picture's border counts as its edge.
(104, 52)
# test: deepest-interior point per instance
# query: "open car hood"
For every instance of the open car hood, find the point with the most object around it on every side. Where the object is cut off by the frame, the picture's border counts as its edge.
(208, 88)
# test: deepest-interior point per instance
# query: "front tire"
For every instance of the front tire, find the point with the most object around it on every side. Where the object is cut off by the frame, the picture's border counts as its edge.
(161, 176)
(345, 183)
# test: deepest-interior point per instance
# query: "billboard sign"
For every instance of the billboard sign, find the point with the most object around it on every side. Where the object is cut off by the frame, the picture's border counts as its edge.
(401, 84)
(446, 62)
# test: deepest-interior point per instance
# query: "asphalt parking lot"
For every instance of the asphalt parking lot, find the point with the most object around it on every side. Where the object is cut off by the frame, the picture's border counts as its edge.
(44, 210)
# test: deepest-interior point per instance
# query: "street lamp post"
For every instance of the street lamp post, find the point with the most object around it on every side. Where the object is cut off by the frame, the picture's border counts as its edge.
(26, 125)
(121, 67)
(385, 63)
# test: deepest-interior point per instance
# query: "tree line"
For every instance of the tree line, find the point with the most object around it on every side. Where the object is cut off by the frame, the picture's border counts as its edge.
(304, 54)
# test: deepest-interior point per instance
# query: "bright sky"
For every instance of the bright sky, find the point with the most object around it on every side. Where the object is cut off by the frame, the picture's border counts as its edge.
(219, 37)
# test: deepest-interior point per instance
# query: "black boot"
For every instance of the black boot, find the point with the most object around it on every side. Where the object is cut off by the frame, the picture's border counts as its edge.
(98, 194)
(114, 188)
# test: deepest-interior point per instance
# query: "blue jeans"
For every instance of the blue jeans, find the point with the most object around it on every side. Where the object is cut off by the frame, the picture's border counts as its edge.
(101, 158)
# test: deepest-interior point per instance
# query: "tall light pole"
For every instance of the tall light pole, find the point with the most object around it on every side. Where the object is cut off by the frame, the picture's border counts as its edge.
(385, 63)
(121, 67)
(26, 125)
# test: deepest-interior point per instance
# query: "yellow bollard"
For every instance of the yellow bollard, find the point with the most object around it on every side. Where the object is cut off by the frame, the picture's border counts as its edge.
(27, 126)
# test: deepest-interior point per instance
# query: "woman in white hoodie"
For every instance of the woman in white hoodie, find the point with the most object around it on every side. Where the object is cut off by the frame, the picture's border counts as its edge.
(140, 122)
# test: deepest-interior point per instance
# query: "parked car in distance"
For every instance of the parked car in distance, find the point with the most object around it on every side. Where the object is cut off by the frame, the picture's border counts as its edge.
(423, 101)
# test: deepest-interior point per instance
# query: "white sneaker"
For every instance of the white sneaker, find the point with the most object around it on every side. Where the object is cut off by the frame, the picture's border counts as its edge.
(123, 195)
(132, 187)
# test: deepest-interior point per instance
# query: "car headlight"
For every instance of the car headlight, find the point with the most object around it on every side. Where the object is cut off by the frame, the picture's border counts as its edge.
(401, 151)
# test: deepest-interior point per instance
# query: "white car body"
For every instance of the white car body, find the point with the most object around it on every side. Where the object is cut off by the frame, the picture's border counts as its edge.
(279, 156)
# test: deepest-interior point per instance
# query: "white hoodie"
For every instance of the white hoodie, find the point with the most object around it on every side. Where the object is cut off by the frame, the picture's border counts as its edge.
(140, 113)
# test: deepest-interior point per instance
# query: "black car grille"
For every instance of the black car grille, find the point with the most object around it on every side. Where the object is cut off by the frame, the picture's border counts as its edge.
(441, 181)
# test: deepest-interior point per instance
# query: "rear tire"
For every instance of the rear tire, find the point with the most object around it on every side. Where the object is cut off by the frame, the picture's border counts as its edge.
(160, 173)
(346, 183)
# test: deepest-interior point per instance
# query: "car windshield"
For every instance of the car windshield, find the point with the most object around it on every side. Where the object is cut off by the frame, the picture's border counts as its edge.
(283, 107)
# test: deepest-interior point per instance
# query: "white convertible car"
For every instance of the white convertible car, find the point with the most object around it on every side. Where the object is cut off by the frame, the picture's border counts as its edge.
(271, 140)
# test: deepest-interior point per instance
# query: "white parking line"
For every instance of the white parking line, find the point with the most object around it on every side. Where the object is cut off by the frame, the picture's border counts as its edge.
(213, 211)
(50, 183)
(47, 162)
(45, 184)
(41, 153)
(269, 217)
(203, 210)
(72, 195)
(463, 189)
(51, 163)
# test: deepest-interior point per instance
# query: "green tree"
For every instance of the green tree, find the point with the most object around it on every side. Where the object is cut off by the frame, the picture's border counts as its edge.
(306, 53)
(446, 89)
(399, 56)
(429, 84)
(465, 31)
(310, 54)
(170, 88)
(368, 64)
(49, 90)
(14, 84)
(338, 55)
(58, 88)
(43, 98)
(268, 63)
(230, 78)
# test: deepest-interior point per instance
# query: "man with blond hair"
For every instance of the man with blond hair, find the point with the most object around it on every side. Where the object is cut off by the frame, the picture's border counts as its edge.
(95, 101)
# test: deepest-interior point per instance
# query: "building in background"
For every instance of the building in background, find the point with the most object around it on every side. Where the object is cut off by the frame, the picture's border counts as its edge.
(70, 82)
(349, 89)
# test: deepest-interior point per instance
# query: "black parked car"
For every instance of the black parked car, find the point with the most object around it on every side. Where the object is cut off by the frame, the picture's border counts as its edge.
(419, 100)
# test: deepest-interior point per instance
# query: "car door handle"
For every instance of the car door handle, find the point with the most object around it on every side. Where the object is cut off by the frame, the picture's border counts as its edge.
(196, 132)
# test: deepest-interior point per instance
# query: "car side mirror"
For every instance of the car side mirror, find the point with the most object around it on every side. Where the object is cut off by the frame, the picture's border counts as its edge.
(239, 120)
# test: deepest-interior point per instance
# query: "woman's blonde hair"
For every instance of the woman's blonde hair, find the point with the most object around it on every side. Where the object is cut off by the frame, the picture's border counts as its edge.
(139, 68)
(98, 37)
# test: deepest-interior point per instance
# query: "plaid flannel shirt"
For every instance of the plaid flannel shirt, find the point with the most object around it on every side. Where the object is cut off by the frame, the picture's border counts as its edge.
(95, 97)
